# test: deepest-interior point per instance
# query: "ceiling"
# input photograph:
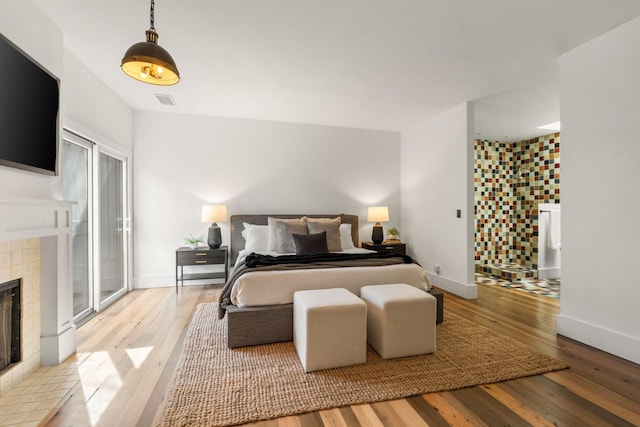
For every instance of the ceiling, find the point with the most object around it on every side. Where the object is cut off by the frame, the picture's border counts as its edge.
(369, 64)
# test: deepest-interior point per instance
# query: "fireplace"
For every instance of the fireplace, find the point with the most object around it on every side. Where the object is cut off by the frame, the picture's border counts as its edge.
(35, 250)
(10, 349)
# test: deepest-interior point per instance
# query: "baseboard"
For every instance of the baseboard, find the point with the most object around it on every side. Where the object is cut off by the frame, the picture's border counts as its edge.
(166, 281)
(55, 349)
(466, 291)
(549, 273)
(153, 281)
(605, 339)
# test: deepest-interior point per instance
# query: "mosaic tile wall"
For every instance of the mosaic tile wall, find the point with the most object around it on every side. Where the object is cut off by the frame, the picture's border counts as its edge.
(510, 180)
(494, 201)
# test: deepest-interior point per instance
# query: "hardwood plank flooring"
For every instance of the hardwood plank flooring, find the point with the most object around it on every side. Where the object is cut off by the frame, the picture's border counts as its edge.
(127, 356)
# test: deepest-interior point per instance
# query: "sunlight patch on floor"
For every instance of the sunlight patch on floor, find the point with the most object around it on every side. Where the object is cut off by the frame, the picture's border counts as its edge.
(100, 383)
(138, 355)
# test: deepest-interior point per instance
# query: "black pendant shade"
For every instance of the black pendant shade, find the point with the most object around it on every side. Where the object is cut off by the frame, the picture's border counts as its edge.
(148, 62)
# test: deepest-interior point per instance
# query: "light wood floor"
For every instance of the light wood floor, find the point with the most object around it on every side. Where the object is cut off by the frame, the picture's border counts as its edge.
(127, 357)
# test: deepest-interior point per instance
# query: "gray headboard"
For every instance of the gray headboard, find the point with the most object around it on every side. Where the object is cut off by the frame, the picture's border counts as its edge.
(237, 241)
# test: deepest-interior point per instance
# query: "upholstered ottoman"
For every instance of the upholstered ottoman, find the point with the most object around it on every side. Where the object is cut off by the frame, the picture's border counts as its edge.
(329, 328)
(401, 320)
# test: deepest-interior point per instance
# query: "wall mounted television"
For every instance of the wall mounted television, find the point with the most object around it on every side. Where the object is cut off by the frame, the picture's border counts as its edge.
(29, 103)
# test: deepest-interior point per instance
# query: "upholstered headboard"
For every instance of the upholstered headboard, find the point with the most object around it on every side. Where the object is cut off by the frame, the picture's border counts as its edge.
(237, 241)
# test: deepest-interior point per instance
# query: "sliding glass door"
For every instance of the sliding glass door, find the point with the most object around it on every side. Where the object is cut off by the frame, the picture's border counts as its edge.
(112, 232)
(77, 183)
(95, 178)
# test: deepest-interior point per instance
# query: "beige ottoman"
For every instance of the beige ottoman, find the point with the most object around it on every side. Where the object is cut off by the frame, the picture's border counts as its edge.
(329, 328)
(401, 320)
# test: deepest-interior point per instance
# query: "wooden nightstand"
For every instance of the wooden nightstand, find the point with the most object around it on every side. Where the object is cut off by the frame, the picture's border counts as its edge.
(387, 245)
(201, 257)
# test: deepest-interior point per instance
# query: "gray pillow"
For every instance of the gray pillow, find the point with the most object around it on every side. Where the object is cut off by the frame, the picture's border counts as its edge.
(310, 244)
(284, 236)
(331, 227)
(273, 240)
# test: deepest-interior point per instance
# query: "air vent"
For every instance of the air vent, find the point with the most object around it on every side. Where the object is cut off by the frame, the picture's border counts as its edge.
(165, 99)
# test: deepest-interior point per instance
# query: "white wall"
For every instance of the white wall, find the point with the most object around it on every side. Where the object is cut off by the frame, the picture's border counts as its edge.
(437, 180)
(31, 30)
(182, 162)
(600, 110)
(92, 109)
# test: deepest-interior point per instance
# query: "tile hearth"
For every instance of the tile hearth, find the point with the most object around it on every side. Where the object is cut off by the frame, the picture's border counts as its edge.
(38, 397)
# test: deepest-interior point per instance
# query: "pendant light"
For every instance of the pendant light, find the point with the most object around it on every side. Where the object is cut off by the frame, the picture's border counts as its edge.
(147, 62)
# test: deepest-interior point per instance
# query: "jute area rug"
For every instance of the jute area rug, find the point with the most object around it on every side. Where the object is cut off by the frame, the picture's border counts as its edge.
(216, 386)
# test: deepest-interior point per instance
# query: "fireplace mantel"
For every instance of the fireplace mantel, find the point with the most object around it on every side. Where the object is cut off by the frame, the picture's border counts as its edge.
(28, 218)
(50, 221)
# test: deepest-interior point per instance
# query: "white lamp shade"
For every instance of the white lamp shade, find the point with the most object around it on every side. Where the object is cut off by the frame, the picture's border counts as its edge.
(378, 214)
(214, 213)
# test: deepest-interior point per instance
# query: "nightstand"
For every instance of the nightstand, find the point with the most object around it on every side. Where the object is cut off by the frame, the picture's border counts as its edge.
(387, 245)
(201, 257)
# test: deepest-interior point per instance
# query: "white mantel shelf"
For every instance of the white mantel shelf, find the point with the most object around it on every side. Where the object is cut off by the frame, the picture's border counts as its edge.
(28, 218)
(49, 220)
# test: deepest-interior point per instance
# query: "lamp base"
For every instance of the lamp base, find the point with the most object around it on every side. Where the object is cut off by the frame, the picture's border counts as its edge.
(214, 239)
(377, 235)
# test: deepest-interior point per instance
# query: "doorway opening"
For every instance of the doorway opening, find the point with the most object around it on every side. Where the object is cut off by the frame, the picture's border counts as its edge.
(516, 197)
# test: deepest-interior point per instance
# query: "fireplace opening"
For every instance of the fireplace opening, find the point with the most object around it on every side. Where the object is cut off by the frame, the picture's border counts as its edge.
(9, 324)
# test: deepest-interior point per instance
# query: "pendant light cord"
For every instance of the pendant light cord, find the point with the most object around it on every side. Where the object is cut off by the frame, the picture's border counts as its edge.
(152, 18)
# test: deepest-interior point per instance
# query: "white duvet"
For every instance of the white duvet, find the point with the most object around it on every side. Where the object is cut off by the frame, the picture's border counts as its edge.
(277, 287)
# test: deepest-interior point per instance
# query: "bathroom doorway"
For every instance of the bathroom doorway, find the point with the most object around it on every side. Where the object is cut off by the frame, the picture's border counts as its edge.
(513, 182)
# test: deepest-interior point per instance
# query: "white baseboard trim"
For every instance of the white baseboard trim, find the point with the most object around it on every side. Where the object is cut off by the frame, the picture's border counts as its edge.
(466, 291)
(549, 273)
(145, 282)
(56, 349)
(167, 281)
(614, 342)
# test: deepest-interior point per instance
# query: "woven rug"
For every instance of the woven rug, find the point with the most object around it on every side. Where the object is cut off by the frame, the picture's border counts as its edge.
(216, 386)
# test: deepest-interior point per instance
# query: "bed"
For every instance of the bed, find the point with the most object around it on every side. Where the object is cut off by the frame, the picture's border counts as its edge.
(258, 304)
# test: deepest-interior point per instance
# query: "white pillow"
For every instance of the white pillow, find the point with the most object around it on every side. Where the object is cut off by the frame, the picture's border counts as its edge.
(345, 236)
(256, 237)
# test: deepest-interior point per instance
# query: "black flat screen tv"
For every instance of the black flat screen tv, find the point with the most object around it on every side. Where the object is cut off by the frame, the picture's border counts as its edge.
(29, 103)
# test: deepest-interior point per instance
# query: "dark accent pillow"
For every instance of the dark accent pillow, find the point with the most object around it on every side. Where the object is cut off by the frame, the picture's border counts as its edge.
(310, 244)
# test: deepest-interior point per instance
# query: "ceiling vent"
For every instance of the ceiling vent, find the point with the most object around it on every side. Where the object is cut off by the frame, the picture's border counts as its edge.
(165, 99)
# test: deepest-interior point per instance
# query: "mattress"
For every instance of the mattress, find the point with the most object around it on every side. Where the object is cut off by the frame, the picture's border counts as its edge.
(277, 287)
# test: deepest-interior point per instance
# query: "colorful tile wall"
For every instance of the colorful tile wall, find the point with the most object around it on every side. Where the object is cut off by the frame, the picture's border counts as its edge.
(493, 201)
(510, 180)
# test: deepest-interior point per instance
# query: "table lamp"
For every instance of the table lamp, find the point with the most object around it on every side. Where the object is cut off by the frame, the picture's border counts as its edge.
(214, 214)
(378, 214)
